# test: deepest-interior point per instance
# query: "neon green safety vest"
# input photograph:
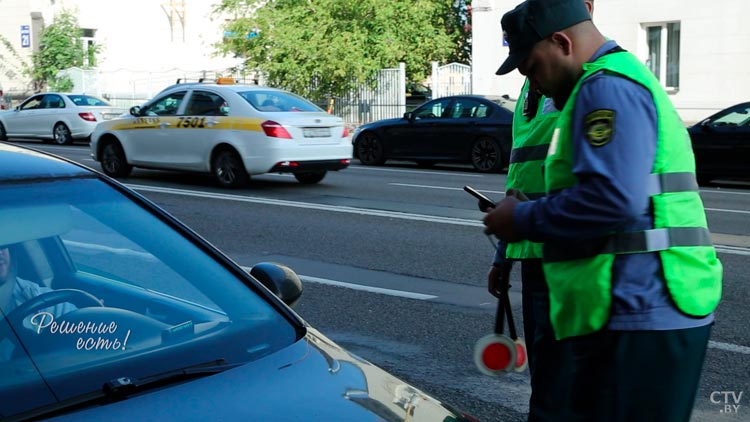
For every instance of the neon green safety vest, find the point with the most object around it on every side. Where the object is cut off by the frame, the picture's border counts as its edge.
(579, 273)
(530, 142)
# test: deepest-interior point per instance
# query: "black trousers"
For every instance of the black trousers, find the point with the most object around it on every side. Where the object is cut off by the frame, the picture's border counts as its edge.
(614, 376)
(537, 329)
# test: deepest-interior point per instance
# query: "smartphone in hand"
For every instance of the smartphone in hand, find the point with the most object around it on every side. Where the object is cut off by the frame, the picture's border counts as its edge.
(484, 202)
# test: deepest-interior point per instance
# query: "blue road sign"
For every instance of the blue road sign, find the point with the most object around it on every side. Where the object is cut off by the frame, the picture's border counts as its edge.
(25, 36)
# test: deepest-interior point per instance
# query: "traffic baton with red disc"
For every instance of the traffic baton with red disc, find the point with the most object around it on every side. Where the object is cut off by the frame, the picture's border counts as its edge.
(496, 354)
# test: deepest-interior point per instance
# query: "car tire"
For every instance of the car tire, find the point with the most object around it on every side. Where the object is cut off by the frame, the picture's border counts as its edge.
(310, 177)
(61, 135)
(487, 156)
(3, 133)
(228, 169)
(113, 160)
(370, 149)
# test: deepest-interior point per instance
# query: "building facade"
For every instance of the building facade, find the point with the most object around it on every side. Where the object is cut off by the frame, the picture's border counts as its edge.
(145, 45)
(699, 49)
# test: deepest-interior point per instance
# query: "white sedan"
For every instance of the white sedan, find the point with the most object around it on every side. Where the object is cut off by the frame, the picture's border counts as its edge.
(230, 131)
(56, 117)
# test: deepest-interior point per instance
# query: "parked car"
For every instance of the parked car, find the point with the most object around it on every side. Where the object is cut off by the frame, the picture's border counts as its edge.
(230, 131)
(56, 117)
(123, 323)
(721, 144)
(459, 129)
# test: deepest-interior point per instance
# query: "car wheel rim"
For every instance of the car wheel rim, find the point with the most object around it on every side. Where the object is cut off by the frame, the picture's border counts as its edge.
(226, 170)
(61, 134)
(111, 159)
(369, 149)
(484, 155)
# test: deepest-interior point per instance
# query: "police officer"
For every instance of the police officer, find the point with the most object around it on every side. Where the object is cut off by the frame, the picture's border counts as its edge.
(633, 278)
(533, 123)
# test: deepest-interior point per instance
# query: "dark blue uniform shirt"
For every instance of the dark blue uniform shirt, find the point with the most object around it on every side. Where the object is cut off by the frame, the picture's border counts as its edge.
(611, 196)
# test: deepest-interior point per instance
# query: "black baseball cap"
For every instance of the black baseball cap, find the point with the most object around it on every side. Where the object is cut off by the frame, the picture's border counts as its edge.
(535, 20)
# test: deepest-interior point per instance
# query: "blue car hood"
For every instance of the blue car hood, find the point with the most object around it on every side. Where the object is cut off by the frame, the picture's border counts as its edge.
(311, 380)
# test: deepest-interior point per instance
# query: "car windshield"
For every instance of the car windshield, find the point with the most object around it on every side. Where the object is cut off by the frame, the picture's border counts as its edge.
(103, 288)
(88, 101)
(736, 116)
(277, 101)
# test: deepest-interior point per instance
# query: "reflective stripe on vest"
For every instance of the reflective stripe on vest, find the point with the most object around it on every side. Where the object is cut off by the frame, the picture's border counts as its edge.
(671, 182)
(532, 153)
(629, 242)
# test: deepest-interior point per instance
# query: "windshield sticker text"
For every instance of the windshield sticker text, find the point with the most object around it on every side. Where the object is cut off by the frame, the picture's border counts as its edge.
(93, 335)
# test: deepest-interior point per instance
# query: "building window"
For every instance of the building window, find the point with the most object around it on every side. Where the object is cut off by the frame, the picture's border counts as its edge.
(89, 46)
(664, 52)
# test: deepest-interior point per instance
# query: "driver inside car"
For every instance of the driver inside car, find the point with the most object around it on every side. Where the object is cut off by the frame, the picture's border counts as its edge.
(14, 291)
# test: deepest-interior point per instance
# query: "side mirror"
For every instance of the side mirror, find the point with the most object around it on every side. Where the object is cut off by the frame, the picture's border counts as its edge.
(409, 116)
(280, 280)
(135, 111)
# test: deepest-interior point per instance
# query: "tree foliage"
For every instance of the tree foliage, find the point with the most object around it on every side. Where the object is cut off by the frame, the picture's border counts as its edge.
(320, 47)
(60, 47)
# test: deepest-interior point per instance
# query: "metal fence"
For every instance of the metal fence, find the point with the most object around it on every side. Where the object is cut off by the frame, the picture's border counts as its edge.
(382, 98)
(450, 79)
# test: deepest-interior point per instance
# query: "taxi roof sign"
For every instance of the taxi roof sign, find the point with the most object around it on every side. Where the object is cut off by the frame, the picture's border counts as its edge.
(225, 81)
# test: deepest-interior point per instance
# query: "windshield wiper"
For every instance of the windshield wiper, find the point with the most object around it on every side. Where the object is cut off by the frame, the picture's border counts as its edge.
(121, 388)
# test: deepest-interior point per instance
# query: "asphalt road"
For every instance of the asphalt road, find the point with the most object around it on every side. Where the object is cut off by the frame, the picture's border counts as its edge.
(394, 263)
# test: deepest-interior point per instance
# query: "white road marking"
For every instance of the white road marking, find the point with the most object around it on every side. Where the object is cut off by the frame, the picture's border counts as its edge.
(729, 347)
(353, 210)
(734, 250)
(308, 205)
(379, 290)
(732, 211)
(503, 192)
(443, 188)
(287, 175)
(389, 170)
(722, 191)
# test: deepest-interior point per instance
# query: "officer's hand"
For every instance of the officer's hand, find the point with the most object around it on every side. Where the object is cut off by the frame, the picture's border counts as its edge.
(494, 281)
(484, 207)
(499, 220)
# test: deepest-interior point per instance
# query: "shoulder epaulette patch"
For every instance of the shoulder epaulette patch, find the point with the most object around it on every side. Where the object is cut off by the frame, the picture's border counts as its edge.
(599, 127)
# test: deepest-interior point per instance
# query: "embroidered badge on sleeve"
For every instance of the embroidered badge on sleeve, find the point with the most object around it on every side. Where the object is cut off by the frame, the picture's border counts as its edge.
(599, 127)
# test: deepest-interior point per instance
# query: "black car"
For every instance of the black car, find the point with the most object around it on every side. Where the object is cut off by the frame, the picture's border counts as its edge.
(468, 129)
(721, 144)
(120, 312)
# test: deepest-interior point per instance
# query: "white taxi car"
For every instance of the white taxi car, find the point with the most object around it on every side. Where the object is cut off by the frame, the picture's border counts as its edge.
(231, 131)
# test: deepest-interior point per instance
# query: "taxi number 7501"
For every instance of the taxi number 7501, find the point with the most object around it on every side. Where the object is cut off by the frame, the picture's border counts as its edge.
(195, 122)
